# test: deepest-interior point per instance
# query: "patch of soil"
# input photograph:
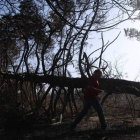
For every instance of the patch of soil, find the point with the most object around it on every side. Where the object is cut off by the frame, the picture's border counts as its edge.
(118, 129)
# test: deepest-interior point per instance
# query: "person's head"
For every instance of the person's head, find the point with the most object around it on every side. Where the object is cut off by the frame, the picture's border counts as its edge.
(98, 73)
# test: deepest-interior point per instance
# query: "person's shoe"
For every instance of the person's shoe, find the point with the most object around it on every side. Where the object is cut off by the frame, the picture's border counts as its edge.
(72, 127)
(104, 127)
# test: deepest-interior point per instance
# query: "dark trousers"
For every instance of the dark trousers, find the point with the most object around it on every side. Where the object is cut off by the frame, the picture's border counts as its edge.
(87, 104)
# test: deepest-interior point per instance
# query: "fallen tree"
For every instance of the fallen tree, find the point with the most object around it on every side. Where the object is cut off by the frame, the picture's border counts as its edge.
(111, 85)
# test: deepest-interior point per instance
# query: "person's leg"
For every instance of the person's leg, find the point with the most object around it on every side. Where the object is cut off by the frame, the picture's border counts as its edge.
(81, 114)
(95, 103)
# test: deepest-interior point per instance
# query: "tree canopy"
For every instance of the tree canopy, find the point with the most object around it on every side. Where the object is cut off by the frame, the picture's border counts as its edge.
(46, 37)
(41, 39)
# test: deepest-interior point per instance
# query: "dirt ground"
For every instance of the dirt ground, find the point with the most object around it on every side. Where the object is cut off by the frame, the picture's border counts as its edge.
(118, 129)
(119, 115)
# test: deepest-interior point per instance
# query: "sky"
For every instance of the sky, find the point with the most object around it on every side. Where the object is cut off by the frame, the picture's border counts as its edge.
(124, 50)
(128, 50)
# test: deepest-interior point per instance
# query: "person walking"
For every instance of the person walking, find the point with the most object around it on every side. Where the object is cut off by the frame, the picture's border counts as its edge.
(91, 99)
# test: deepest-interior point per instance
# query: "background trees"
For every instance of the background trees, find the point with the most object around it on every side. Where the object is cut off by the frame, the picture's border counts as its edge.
(46, 37)
(40, 29)
(133, 32)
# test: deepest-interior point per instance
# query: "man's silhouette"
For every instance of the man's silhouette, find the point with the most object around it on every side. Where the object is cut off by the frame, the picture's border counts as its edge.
(91, 99)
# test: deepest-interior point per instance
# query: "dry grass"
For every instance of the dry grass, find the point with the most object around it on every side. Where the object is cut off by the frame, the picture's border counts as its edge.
(122, 115)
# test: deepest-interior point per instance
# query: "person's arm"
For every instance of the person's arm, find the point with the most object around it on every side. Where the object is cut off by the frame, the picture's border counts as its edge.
(94, 89)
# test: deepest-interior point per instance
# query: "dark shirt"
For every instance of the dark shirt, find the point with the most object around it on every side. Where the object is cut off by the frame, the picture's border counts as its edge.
(89, 92)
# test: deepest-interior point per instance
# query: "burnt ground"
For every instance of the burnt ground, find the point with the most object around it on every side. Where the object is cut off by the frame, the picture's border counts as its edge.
(118, 129)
